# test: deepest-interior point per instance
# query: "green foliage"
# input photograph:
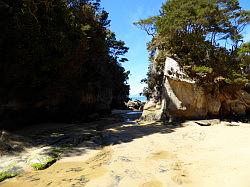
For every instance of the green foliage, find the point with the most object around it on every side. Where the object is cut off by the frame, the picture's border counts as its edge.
(244, 55)
(155, 78)
(6, 175)
(244, 49)
(54, 50)
(202, 69)
(198, 34)
(148, 25)
(239, 79)
(43, 165)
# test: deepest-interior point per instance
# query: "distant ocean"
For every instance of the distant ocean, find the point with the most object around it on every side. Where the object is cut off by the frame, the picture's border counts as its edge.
(140, 98)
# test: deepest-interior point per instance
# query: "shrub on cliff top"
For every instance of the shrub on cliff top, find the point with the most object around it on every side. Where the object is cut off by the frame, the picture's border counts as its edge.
(205, 35)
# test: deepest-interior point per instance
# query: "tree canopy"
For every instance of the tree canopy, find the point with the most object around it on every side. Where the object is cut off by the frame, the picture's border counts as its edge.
(59, 49)
(205, 37)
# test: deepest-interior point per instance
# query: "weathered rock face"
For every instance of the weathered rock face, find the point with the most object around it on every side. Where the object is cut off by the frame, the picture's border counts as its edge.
(186, 99)
(84, 105)
(135, 105)
(240, 105)
(182, 97)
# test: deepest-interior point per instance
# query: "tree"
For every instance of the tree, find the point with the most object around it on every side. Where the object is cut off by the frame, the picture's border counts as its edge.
(203, 35)
(59, 57)
(244, 55)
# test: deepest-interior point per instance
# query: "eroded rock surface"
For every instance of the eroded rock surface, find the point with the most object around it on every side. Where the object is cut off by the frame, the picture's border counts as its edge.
(182, 97)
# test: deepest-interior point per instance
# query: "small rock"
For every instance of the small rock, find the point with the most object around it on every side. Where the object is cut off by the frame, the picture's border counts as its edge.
(207, 122)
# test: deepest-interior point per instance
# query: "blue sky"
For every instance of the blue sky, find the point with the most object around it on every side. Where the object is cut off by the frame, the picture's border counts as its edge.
(123, 13)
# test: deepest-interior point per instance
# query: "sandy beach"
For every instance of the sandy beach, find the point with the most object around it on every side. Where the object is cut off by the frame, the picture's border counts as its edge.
(154, 155)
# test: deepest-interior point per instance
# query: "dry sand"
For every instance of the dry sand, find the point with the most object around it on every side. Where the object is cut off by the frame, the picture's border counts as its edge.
(153, 155)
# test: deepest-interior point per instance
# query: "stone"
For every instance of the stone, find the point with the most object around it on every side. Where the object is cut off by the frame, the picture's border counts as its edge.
(135, 105)
(208, 122)
(213, 105)
(151, 115)
(150, 105)
(244, 97)
(185, 99)
(182, 97)
(237, 107)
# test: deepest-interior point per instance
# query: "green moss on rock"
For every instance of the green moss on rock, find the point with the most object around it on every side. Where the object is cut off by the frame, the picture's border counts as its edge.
(6, 175)
(43, 165)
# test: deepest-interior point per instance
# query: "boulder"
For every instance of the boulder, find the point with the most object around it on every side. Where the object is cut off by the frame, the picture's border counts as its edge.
(151, 104)
(182, 97)
(135, 105)
(208, 122)
(152, 115)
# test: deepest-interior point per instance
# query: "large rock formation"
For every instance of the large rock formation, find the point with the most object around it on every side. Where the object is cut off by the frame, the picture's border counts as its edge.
(182, 97)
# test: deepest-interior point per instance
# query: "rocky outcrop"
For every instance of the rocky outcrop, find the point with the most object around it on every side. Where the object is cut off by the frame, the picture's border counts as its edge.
(135, 105)
(239, 105)
(182, 97)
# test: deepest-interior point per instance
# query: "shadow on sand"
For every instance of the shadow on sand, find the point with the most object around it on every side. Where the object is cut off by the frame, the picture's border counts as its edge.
(129, 131)
(74, 139)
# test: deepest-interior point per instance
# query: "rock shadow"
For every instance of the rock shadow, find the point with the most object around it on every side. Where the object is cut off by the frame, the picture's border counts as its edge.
(130, 131)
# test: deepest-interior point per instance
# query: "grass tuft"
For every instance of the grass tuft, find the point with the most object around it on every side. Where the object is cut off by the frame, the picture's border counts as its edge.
(5, 175)
(46, 164)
